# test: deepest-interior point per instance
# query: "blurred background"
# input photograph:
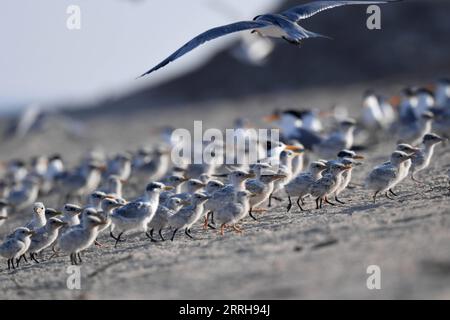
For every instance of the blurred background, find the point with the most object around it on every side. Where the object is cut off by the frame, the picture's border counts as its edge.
(73, 76)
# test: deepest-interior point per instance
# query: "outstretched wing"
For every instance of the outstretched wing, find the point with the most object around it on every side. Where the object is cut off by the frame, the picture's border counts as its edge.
(307, 10)
(207, 36)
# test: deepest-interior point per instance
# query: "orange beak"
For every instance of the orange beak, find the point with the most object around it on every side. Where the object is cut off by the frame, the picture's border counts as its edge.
(431, 87)
(294, 148)
(395, 101)
(358, 157)
(271, 118)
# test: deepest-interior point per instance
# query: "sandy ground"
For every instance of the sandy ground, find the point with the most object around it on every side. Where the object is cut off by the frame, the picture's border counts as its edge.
(313, 254)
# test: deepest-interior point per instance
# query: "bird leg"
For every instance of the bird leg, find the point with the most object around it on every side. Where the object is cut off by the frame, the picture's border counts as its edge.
(375, 196)
(205, 223)
(387, 196)
(79, 257)
(336, 198)
(250, 214)
(270, 200)
(289, 206)
(72, 259)
(187, 232)
(33, 257)
(9, 264)
(222, 229)
(98, 244)
(298, 203)
(150, 236)
(237, 229)
(393, 193)
(160, 234)
(330, 203)
(317, 203)
(117, 239)
(173, 235)
(413, 178)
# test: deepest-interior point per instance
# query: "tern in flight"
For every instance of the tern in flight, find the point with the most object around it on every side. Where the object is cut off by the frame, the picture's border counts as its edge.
(283, 25)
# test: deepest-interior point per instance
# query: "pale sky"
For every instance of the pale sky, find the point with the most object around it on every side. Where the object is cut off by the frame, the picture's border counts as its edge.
(43, 61)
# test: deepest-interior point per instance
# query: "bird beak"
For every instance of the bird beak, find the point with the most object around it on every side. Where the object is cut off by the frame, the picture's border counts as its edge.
(271, 118)
(250, 175)
(253, 195)
(395, 101)
(31, 232)
(223, 175)
(294, 148)
(278, 176)
(185, 203)
(347, 167)
(358, 157)
(431, 87)
(3, 218)
(325, 113)
(168, 188)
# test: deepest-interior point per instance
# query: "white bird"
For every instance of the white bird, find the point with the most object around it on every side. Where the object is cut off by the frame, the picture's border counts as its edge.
(154, 169)
(237, 179)
(300, 186)
(26, 195)
(44, 237)
(341, 139)
(292, 127)
(262, 186)
(55, 168)
(298, 161)
(346, 157)
(187, 216)
(327, 185)
(119, 166)
(174, 181)
(136, 215)
(284, 25)
(3, 212)
(442, 93)
(405, 166)
(77, 239)
(15, 246)
(384, 177)
(284, 169)
(114, 188)
(107, 208)
(39, 219)
(377, 112)
(71, 214)
(413, 132)
(232, 212)
(94, 199)
(192, 186)
(80, 182)
(422, 158)
(163, 214)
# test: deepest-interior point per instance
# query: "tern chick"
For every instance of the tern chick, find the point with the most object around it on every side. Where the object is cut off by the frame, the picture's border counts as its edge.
(15, 246)
(232, 212)
(384, 177)
(328, 184)
(77, 239)
(300, 186)
(136, 215)
(187, 216)
(422, 158)
(44, 237)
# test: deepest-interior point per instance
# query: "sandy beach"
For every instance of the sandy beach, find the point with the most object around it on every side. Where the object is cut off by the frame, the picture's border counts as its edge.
(300, 255)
